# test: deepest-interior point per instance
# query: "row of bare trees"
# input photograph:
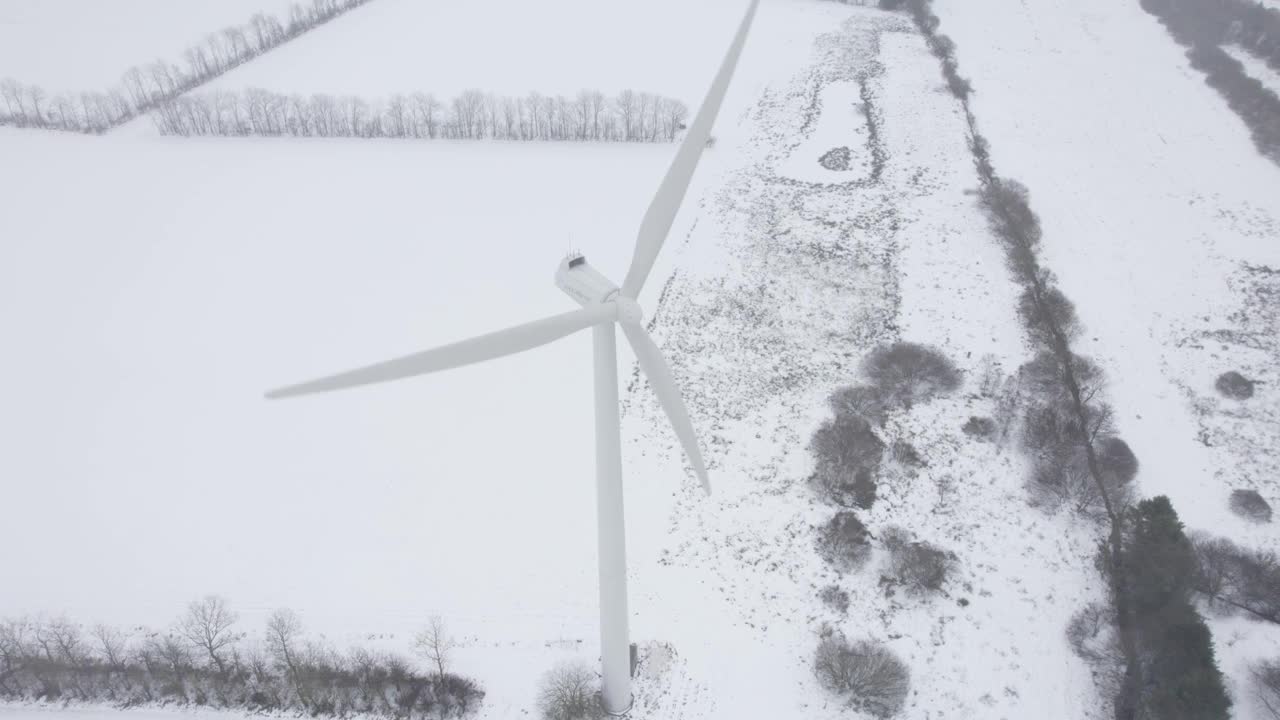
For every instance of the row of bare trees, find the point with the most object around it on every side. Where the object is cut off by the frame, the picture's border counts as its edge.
(1067, 429)
(591, 116)
(205, 659)
(142, 89)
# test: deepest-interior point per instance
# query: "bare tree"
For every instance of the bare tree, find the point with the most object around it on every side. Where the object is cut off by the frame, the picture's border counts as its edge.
(870, 677)
(113, 645)
(208, 625)
(171, 653)
(283, 640)
(1266, 678)
(569, 692)
(434, 644)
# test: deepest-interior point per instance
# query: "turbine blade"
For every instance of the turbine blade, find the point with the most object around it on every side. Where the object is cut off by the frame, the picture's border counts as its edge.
(666, 203)
(656, 370)
(485, 347)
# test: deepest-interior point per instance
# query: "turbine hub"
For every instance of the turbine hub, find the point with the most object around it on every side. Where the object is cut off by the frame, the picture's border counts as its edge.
(628, 310)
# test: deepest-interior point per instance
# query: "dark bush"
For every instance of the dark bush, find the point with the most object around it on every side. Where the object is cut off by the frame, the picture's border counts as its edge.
(1237, 577)
(904, 373)
(1044, 379)
(1249, 505)
(1061, 475)
(981, 428)
(844, 449)
(1266, 687)
(1116, 460)
(1091, 632)
(836, 159)
(858, 401)
(1234, 385)
(864, 489)
(1180, 676)
(41, 660)
(569, 692)
(904, 453)
(1007, 206)
(918, 566)
(1047, 314)
(835, 598)
(866, 674)
(844, 542)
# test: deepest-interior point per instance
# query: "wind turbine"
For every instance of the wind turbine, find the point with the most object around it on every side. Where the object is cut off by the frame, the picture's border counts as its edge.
(603, 305)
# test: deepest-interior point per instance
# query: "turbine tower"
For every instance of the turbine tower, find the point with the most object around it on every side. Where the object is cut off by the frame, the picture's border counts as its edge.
(604, 304)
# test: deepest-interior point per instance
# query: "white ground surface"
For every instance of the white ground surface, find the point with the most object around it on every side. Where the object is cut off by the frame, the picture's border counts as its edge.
(156, 286)
(670, 47)
(1155, 205)
(257, 264)
(85, 45)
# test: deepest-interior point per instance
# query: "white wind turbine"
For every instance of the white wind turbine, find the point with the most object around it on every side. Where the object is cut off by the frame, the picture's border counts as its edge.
(603, 304)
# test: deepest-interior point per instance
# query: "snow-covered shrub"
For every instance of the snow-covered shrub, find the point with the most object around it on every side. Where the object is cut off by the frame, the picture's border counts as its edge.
(863, 489)
(50, 659)
(1266, 687)
(836, 159)
(1062, 478)
(904, 453)
(844, 448)
(858, 401)
(904, 373)
(981, 428)
(1094, 637)
(1115, 458)
(918, 566)
(835, 598)
(1046, 314)
(1249, 505)
(1234, 385)
(844, 542)
(569, 691)
(866, 674)
(1238, 578)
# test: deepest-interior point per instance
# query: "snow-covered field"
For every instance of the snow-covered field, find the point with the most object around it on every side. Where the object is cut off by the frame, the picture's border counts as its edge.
(74, 45)
(786, 285)
(156, 286)
(1161, 220)
(159, 311)
(666, 46)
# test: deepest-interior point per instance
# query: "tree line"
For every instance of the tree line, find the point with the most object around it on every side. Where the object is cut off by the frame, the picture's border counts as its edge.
(590, 116)
(1162, 652)
(1203, 27)
(142, 89)
(205, 659)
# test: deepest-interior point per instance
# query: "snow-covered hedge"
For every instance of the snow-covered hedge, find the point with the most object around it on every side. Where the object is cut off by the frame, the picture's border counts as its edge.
(145, 88)
(204, 660)
(591, 116)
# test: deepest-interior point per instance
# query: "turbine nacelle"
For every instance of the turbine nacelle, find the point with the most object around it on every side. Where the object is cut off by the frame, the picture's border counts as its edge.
(582, 282)
(586, 285)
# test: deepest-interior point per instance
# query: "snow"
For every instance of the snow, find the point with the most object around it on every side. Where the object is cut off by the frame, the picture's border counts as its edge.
(49, 712)
(82, 45)
(1255, 67)
(159, 312)
(785, 286)
(1155, 205)
(671, 47)
(154, 287)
